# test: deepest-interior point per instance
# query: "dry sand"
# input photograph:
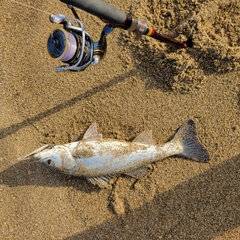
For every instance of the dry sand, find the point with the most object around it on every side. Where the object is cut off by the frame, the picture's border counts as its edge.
(141, 84)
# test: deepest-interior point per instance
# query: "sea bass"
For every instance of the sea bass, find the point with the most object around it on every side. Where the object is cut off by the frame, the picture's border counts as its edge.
(98, 159)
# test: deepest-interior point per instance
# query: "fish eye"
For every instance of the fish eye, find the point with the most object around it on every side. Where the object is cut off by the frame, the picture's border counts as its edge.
(49, 162)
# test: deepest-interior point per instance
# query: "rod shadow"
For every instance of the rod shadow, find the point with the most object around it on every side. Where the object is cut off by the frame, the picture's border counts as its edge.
(66, 104)
(203, 207)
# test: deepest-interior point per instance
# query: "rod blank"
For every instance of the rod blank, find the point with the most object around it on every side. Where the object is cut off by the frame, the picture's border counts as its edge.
(100, 9)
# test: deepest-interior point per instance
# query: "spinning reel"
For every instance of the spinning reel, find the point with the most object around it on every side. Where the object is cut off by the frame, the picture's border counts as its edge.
(75, 47)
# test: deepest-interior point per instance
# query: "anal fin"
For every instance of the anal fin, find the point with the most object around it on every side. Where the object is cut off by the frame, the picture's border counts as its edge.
(140, 172)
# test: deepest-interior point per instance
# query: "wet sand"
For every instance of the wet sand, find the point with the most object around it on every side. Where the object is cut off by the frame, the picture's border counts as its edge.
(141, 84)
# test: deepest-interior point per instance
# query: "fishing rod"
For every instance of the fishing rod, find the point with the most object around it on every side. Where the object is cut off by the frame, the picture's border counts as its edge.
(75, 47)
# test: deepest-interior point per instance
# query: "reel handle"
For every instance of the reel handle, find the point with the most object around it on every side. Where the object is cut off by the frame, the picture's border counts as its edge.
(100, 9)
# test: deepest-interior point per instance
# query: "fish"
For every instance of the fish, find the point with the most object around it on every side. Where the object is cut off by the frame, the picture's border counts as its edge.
(99, 160)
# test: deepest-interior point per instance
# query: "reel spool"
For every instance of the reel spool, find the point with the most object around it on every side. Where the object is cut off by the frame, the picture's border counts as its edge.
(62, 45)
(71, 45)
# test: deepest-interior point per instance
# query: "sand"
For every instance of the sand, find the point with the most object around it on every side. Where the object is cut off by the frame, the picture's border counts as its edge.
(141, 84)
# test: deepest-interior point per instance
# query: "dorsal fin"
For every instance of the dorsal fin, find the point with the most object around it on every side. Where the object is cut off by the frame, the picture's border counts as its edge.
(92, 133)
(145, 138)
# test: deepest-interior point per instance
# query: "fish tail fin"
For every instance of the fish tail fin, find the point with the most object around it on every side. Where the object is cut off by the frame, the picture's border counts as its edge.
(191, 147)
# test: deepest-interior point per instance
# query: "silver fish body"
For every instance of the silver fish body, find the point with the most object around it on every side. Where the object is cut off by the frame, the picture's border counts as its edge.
(109, 157)
(99, 159)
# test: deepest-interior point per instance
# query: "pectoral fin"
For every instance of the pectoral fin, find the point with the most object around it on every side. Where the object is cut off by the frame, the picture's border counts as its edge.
(102, 182)
(92, 133)
(140, 172)
(145, 138)
(36, 151)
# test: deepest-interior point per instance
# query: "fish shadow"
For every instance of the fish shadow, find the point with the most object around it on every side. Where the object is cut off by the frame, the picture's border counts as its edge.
(30, 172)
(203, 207)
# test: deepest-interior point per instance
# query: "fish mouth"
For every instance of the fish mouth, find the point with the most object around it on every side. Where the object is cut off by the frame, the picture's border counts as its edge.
(42, 156)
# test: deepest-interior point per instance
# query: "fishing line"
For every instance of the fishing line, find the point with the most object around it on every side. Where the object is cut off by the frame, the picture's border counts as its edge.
(28, 6)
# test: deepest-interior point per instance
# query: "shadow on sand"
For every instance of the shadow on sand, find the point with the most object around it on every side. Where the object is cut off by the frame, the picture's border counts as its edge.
(203, 207)
(68, 103)
(182, 72)
(200, 208)
(177, 71)
(30, 172)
